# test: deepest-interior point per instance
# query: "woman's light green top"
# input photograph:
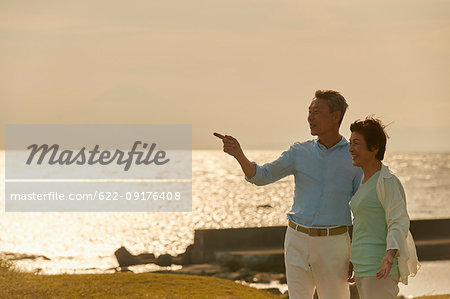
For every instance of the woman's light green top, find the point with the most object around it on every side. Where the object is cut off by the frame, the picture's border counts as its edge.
(369, 230)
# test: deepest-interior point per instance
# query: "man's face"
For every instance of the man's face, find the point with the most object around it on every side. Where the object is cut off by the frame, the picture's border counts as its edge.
(320, 119)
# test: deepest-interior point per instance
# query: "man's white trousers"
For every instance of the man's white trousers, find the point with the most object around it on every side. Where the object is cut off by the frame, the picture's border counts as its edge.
(317, 262)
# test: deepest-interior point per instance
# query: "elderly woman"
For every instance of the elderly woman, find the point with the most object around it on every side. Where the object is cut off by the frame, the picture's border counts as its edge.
(382, 250)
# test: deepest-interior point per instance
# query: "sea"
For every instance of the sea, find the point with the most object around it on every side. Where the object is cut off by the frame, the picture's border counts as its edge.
(52, 243)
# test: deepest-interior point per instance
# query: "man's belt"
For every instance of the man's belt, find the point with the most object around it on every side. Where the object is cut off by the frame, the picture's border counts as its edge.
(318, 232)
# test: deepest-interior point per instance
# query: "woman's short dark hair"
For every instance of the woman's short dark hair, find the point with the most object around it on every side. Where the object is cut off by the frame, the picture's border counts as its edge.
(374, 135)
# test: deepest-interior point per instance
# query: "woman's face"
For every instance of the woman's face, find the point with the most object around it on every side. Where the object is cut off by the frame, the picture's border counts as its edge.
(361, 155)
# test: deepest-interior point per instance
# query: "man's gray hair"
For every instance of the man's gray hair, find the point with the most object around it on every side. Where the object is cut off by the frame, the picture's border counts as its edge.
(335, 100)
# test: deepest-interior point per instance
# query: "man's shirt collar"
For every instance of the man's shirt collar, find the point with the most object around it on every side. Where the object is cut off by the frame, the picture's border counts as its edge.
(342, 142)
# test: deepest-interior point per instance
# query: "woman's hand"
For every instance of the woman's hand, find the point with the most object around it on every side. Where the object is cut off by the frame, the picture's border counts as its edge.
(350, 277)
(386, 264)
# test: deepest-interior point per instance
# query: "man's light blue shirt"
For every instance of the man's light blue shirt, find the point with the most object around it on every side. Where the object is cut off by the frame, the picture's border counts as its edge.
(325, 180)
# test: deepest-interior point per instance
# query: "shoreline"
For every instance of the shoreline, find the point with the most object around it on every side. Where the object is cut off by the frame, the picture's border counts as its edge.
(251, 255)
(431, 279)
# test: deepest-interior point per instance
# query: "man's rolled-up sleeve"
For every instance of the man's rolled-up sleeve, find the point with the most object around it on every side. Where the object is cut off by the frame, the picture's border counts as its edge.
(274, 171)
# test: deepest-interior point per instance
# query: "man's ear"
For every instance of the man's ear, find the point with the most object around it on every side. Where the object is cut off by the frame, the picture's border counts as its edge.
(337, 115)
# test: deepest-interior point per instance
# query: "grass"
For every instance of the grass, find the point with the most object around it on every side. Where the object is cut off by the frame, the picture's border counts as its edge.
(434, 297)
(14, 284)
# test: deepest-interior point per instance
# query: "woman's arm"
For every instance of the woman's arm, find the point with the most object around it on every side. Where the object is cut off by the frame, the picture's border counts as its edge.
(397, 221)
(386, 263)
(397, 218)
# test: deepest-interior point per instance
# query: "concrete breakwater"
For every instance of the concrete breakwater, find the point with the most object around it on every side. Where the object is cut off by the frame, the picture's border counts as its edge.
(432, 238)
(261, 248)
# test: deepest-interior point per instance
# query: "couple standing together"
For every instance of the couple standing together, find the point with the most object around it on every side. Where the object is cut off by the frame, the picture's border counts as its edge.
(333, 176)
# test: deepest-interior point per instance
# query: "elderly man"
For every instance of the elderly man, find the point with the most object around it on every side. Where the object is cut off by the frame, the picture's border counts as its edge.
(317, 244)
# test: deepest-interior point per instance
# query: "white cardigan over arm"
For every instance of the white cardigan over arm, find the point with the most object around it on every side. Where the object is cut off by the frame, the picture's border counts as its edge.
(392, 197)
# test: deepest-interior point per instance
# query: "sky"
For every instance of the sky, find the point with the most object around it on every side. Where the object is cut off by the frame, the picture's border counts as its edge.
(246, 68)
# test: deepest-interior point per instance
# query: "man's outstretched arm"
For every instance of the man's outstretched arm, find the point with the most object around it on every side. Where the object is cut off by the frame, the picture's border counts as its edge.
(232, 147)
